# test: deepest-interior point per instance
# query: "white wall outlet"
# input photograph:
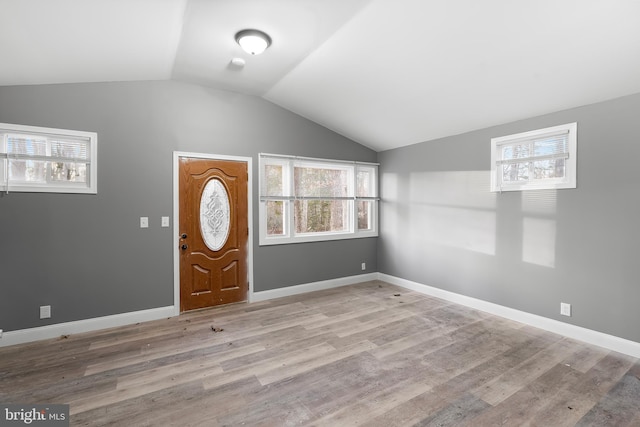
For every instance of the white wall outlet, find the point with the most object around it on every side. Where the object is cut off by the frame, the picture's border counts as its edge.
(364, 266)
(565, 309)
(45, 311)
(0, 333)
(144, 222)
(165, 221)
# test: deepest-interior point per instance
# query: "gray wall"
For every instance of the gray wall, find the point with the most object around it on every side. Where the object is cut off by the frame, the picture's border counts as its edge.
(440, 225)
(86, 256)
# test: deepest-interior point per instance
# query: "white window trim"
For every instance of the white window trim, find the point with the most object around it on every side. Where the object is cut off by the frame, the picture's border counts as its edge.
(570, 178)
(290, 236)
(89, 187)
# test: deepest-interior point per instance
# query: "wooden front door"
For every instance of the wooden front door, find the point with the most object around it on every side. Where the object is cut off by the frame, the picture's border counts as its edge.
(213, 232)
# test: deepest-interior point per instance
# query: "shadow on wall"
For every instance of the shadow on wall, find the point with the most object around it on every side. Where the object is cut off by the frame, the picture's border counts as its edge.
(457, 210)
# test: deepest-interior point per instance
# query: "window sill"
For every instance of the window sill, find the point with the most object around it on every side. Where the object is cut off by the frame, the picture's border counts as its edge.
(270, 241)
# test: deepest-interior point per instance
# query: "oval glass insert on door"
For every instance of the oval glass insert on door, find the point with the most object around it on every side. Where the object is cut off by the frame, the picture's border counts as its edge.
(215, 220)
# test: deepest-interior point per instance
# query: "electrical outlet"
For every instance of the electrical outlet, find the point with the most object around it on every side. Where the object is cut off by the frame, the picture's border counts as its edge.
(565, 309)
(364, 266)
(0, 333)
(45, 311)
(144, 222)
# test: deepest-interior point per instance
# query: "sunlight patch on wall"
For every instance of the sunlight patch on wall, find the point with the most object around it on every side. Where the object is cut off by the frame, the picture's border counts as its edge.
(540, 201)
(453, 209)
(390, 222)
(393, 214)
(467, 189)
(469, 229)
(389, 186)
(539, 241)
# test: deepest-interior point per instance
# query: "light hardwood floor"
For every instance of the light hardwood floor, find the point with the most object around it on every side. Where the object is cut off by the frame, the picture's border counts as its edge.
(370, 354)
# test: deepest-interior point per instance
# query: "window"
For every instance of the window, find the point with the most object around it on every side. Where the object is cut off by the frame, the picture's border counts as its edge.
(304, 199)
(540, 159)
(34, 159)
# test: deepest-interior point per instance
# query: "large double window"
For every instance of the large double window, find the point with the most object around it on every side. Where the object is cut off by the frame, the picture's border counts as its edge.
(34, 159)
(305, 199)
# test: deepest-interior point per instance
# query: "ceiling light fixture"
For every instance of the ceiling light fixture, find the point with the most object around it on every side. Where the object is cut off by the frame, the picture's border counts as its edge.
(253, 41)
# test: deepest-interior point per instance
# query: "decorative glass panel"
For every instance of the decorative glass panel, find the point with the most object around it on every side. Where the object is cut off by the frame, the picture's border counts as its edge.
(215, 218)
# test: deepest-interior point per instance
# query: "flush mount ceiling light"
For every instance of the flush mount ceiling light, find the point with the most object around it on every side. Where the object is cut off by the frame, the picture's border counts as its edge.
(253, 41)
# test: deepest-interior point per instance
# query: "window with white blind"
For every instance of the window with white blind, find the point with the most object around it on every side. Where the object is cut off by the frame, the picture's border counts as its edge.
(35, 159)
(306, 199)
(540, 159)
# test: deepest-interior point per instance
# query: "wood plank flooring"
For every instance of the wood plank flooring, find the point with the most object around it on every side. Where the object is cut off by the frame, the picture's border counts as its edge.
(370, 354)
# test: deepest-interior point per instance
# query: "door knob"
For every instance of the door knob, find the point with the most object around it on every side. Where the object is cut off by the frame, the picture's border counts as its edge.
(183, 236)
(184, 247)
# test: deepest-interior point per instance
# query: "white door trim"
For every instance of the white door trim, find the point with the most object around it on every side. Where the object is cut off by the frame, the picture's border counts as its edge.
(176, 218)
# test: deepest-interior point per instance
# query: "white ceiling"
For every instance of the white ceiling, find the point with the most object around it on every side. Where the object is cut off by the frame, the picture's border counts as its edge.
(385, 73)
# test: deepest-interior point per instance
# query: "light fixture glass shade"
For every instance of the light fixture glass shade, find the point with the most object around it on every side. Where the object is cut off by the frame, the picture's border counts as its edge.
(253, 41)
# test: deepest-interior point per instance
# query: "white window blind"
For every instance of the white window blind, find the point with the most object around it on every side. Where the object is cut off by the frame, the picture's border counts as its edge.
(535, 160)
(36, 159)
(307, 199)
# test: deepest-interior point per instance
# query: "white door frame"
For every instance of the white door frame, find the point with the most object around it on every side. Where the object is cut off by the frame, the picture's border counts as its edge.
(176, 218)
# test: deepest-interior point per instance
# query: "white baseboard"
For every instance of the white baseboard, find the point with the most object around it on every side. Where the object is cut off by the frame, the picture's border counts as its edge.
(311, 287)
(87, 325)
(607, 341)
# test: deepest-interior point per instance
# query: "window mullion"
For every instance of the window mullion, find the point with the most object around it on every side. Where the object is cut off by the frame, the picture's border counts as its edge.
(5, 162)
(291, 191)
(354, 203)
(47, 163)
(531, 162)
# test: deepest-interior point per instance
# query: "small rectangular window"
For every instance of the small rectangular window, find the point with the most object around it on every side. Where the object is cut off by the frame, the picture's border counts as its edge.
(303, 199)
(34, 159)
(540, 159)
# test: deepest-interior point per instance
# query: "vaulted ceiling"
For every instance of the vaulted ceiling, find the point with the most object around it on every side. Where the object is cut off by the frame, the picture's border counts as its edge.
(385, 73)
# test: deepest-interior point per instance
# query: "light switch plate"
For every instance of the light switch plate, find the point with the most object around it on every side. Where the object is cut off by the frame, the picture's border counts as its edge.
(144, 222)
(165, 221)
